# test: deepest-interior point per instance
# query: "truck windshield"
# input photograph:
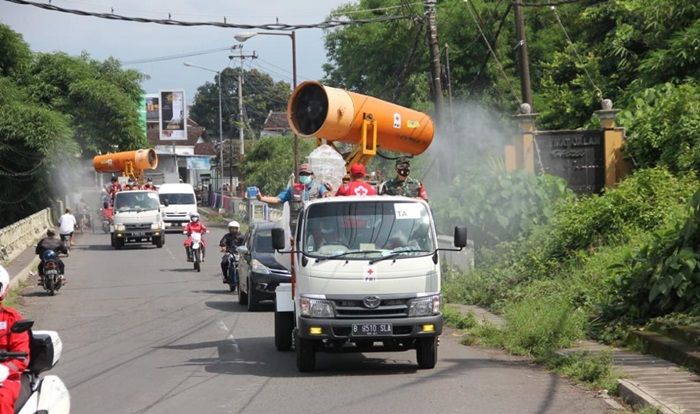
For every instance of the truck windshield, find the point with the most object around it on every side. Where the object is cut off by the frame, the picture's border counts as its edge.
(367, 230)
(136, 201)
(175, 198)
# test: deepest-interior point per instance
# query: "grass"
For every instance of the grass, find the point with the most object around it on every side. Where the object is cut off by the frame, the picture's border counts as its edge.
(593, 370)
(14, 295)
(537, 329)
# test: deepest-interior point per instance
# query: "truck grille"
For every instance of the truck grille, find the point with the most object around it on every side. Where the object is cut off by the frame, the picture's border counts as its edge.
(137, 227)
(355, 309)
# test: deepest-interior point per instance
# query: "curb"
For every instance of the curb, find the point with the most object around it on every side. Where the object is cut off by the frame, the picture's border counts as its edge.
(23, 274)
(637, 396)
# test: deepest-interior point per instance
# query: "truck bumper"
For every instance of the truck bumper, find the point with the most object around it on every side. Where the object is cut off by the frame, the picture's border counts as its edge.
(342, 329)
(138, 237)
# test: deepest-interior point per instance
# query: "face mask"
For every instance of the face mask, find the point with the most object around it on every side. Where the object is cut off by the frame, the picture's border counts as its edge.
(305, 179)
(195, 219)
(403, 172)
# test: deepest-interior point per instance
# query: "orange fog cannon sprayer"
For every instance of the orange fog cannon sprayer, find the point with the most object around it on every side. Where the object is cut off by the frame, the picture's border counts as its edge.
(128, 163)
(333, 114)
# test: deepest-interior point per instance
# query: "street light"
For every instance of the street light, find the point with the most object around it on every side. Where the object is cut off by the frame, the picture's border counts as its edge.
(242, 37)
(221, 130)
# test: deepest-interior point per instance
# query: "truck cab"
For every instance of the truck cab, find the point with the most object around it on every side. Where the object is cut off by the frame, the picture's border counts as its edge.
(366, 278)
(137, 219)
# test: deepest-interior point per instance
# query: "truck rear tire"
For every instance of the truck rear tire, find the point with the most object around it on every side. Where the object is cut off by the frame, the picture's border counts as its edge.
(284, 326)
(306, 354)
(426, 352)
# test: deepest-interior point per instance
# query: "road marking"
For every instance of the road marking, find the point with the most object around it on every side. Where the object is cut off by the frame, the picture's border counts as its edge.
(229, 336)
(170, 253)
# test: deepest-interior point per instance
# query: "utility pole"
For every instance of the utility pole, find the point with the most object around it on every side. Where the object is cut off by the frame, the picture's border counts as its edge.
(431, 32)
(240, 56)
(523, 61)
(449, 83)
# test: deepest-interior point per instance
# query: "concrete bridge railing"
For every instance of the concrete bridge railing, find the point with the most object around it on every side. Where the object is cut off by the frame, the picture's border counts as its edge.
(18, 236)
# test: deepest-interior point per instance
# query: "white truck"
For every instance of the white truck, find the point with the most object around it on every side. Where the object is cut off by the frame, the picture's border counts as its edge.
(365, 277)
(137, 219)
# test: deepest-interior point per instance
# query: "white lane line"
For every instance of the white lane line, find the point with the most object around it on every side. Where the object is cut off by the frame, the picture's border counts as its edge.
(229, 335)
(170, 253)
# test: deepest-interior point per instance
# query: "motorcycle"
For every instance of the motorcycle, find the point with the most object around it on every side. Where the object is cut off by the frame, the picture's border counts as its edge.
(52, 279)
(106, 217)
(195, 251)
(232, 277)
(38, 394)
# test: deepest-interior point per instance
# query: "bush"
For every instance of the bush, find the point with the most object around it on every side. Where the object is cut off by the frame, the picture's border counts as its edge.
(539, 326)
(500, 206)
(664, 127)
(664, 275)
(594, 370)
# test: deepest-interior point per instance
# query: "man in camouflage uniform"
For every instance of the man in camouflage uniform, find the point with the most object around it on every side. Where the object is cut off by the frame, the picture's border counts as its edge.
(403, 185)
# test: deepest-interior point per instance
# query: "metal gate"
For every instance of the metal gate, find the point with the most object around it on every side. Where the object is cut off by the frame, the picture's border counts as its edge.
(576, 156)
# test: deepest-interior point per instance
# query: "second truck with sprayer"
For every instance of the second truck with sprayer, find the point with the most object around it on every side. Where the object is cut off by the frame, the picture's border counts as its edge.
(365, 270)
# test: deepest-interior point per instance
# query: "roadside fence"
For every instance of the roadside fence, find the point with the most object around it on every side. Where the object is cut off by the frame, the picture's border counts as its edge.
(18, 236)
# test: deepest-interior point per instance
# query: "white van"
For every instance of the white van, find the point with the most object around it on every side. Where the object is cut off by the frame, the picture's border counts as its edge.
(179, 202)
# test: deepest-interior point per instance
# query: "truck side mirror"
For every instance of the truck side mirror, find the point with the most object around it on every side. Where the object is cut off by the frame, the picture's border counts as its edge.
(278, 239)
(460, 239)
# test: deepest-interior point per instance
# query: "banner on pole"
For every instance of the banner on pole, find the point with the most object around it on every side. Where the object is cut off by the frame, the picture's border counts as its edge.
(173, 117)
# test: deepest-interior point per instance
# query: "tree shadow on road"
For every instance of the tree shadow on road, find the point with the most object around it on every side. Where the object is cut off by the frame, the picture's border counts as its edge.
(93, 247)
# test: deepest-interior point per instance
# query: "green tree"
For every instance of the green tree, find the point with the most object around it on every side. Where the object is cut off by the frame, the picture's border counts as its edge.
(261, 94)
(269, 163)
(101, 98)
(54, 108)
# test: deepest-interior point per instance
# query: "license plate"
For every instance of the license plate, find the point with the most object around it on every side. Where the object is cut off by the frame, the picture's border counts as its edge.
(371, 329)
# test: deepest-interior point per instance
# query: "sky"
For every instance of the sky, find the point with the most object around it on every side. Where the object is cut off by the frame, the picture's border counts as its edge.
(50, 31)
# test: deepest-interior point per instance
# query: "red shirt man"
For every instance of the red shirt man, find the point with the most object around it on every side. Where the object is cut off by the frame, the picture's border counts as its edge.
(11, 369)
(358, 186)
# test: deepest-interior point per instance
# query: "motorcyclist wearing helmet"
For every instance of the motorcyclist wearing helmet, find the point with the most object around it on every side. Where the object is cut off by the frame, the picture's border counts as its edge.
(50, 244)
(194, 226)
(229, 243)
(11, 369)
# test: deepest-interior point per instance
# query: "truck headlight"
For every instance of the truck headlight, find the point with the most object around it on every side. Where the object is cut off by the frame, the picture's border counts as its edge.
(119, 227)
(426, 306)
(155, 226)
(258, 267)
(316, 308)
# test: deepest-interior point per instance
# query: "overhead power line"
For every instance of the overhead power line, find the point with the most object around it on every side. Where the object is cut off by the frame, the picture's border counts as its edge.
(173, 57)
(328, 24)
(545, 4)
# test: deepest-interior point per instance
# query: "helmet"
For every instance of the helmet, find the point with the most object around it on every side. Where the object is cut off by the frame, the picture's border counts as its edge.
(233, 223)
(48, 255)
(194, 217)
(4, 281)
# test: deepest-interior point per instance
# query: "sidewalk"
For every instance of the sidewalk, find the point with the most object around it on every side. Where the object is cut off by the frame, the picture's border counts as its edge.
(21, 265)
(649, 381)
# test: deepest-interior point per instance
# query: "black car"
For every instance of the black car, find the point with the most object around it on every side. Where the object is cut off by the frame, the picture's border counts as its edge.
(259, 273)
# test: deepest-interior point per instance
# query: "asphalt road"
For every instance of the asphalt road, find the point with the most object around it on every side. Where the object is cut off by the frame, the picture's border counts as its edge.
(144, 333)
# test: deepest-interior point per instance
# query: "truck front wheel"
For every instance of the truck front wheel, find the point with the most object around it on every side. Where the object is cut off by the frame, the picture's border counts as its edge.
(426, 352)
(284, 325)
(306, 354)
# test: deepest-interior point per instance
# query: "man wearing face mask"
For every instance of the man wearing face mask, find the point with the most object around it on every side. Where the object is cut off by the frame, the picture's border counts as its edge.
(309, 189)
(403, 185)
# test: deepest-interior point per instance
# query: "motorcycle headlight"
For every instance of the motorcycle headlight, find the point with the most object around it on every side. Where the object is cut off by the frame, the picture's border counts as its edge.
(258, 267)
(427, 306)
(119, 227)
(316, 308)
